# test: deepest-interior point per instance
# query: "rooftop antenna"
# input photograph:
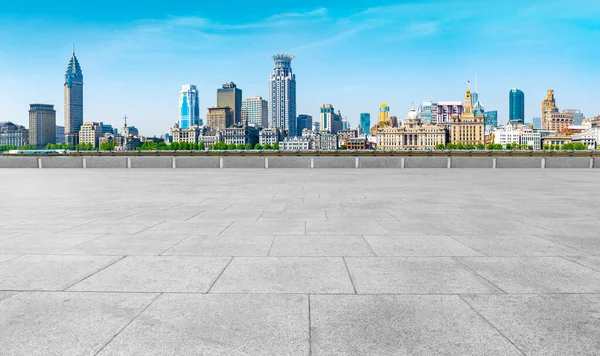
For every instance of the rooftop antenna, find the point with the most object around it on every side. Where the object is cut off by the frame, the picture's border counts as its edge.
(125, 120)
(73, 48)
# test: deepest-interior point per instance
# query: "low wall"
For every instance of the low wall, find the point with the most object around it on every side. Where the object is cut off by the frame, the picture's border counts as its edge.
(316, 162)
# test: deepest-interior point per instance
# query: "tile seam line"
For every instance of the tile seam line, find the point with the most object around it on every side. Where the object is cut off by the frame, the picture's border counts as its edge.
(492, 325)
(349, 275)
(129, 323)
(149, 227)
(539, 236)
(83, 243)
(369, 244)
(227, 227)
(219, 276)
(309, 328)
(477, 274)
(465, 244)
(175, 244)
(565, 258)
(271, 246)
(93, 273)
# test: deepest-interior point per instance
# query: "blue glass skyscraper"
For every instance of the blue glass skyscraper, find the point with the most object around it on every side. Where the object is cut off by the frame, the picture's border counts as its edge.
(189, 106)
(516, 110)
(365, 122)
(491, 118)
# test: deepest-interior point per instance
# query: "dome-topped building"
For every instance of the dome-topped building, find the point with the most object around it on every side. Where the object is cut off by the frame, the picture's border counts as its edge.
(412, 118)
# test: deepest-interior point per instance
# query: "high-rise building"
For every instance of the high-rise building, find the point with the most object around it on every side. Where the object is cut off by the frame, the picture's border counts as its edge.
(330, 120)
(491, 118)
(73, 95)
(189, 106)
(439, 112)
(219, 118)
(467, 128)
(229, 95)
(90, 133)
(552, 119)
(365, 122)
(304, 122)
(578, 117)
(516, 101)
(537, 123)
(60, 134)
(384, 113)
(42, 125)
(256, 111)
(282, 94)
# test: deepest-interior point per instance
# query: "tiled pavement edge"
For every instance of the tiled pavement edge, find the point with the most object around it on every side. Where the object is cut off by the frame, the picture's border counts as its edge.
(322, 262)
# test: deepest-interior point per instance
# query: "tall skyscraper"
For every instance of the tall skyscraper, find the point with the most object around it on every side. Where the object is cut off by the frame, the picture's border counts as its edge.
(303, 122)
(42, 125)
(330, 120)
(189, 106)
(384, 113)
(491, 118)
(229, 95)
(516, 111)
(255, 109)
(365, 122)
(578, 116)
(537, 123)
(73, 94)
(282, 94)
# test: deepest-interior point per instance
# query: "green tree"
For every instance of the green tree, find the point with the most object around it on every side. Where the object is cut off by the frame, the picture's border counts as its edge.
(201, 146)
(231, 146)
(490, 146)
(498, 147)
(276, 146)
(267, 146)
(480, 146)
(460, 146)
(240, 147)
(439, 146)
(580, 146)
(469, 146)
(248, 146)
(450, 146)
(509, 146)
(258, 146)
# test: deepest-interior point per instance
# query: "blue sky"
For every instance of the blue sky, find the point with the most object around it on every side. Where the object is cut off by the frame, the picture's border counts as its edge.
(353, 54)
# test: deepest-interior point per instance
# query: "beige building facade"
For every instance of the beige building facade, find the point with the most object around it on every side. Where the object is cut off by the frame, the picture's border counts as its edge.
(219, 118)
(411, 135)
(552, 119)
(467, 128)
(90, 132)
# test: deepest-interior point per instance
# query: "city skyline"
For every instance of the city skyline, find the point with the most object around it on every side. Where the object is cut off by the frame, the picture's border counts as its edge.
(508, 57)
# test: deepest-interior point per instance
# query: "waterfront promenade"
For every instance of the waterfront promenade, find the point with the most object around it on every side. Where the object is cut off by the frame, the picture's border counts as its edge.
(300, 261)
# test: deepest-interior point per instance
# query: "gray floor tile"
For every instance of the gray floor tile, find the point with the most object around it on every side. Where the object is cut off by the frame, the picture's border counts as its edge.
(284, 275)
(52, 272)
(314, 215)
(7, 257)
(419, 245)
(65, 323)
(309, 245)
(217, 325)
(226, 215)
(43, 243)
(592, 262)
(156, 274)
(121, 245)
(588, 243)
(564, 324)
(110, 226)
(401, 325)
(345, 228)
(535, 274)
(514, 245)
(188, 227)
(272, 227)
(6, 295)
(414, 275)
(223, 245)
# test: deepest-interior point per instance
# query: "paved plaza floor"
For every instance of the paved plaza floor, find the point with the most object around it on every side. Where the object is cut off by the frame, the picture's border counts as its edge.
(300, 262)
